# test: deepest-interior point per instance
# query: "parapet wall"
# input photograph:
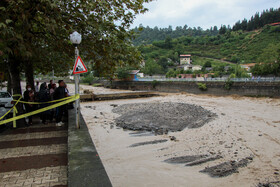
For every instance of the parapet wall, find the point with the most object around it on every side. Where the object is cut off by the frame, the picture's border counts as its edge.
(269, 89)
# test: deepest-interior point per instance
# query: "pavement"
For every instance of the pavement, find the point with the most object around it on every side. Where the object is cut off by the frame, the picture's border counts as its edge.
(85, 167)
(46, 155)
(34, 156)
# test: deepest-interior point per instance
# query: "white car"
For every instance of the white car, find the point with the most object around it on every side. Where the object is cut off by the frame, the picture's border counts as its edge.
(6, 99)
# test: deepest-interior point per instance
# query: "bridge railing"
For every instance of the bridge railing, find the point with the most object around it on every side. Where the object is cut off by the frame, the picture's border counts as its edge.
(223, 79)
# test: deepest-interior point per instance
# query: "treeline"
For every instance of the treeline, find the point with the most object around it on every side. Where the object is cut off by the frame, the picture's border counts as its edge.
(147, 35)
(258, 20)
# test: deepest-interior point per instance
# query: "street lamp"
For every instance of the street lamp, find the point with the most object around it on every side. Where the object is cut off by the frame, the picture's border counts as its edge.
(76, 39)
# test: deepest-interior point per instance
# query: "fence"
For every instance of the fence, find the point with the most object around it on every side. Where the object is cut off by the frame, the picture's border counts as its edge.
(223, 79)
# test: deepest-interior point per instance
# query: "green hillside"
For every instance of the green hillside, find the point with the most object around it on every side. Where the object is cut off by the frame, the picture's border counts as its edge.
(258, 46)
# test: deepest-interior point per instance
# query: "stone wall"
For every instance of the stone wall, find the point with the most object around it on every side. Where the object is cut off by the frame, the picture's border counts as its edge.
(270, 89)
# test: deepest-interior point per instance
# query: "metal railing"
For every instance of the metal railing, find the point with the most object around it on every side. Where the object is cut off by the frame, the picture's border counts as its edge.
(223, 79)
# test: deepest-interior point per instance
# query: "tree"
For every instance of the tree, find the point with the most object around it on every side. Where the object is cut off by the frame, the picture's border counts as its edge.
(223, 29)
(37, 32)
(152, 68)
(207, 64)
(40, 30)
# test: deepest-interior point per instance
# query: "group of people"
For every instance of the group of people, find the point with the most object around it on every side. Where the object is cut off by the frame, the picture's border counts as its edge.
(43, 94)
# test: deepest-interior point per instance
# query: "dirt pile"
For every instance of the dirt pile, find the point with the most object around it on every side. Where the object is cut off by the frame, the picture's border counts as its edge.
(162, 117)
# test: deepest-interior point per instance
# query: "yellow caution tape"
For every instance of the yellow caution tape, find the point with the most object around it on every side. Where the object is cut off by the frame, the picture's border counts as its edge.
(14, 107)
(69, 100)
(54, 101)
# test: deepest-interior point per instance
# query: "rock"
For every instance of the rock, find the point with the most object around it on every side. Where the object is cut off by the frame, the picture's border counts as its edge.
(113, 105)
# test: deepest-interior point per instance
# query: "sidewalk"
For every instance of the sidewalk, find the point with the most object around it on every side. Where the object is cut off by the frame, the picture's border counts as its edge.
(34, 156)
(85, 168)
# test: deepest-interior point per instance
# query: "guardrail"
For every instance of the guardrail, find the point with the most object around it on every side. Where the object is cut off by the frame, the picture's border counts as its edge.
(260, 79)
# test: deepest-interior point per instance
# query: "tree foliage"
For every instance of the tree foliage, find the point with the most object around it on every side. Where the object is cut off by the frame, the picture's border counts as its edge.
(39, 30)
(258, 20)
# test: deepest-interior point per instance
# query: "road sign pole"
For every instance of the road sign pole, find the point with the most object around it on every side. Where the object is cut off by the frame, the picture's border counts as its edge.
(77, 91)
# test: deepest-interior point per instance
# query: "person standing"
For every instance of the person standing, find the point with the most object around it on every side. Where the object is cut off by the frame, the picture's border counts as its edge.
(37, 88)
(52, 111)
(60, 93)
(28, 96)
(50, 85)
(43, 98)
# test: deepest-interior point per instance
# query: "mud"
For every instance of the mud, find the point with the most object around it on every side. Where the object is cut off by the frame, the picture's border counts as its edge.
(185, 159)
(269, 184)
(162, 117)
(204, 160)
(226, 168)
(148, 143)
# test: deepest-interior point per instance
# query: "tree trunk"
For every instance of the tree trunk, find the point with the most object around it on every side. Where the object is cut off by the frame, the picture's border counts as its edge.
(13, 68)
(14, 71)
(9, 86)
(29, 73)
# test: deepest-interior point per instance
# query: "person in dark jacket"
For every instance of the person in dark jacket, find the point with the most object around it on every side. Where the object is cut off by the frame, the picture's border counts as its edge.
(28, 96)
(50, 85)
(60, 93)
(44, 96)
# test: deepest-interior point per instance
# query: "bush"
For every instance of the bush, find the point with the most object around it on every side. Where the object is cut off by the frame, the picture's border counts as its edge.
(202, 86)
(155, 83)
(122, 73)
(88, 79)
(228, 84)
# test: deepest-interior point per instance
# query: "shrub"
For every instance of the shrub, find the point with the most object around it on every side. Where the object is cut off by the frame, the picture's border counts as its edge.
(122, 73)
(202, 86)
(228, 84)
(155, 83)
(88, 79)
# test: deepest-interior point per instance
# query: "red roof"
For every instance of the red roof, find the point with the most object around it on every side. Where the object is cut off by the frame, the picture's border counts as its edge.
(134, 72)
(274, 24)
(185, 55)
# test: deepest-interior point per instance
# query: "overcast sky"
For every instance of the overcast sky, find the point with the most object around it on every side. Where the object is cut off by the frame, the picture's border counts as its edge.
(203, 13)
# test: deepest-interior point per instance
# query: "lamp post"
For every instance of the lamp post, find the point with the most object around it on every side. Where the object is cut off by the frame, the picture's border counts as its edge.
(76, 39)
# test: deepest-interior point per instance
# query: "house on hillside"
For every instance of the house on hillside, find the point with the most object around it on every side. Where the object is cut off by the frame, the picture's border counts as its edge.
(248, 67)
(190, 67)
(186, 63)
(185, 59)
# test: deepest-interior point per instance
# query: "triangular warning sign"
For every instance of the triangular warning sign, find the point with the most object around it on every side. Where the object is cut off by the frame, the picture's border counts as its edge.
(79, 66)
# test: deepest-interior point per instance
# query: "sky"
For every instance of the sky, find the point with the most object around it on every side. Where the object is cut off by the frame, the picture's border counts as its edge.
(203, 13)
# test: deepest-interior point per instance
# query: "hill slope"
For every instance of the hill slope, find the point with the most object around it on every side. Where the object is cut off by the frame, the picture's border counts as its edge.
(235, 46)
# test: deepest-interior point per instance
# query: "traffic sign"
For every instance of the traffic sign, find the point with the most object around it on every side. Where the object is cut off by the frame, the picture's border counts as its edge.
(79, 66)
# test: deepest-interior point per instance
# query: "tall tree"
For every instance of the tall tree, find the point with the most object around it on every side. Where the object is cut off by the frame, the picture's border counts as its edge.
(39, 30)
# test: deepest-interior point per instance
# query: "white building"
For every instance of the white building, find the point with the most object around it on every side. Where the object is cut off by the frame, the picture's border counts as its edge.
(192, 67)
(185, 59)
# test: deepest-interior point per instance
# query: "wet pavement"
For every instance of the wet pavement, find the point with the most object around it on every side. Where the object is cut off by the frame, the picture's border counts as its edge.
(34, 156)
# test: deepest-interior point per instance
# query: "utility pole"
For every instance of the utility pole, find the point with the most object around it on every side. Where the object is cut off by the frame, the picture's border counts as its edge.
(76, 39)
(77, 91)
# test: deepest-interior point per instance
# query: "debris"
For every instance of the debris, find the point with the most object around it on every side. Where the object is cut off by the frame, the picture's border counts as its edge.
(148, 143)
(162, 117)
(226, 168)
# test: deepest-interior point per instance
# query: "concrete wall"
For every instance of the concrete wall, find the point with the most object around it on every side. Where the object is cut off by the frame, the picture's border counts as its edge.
(270, 89)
